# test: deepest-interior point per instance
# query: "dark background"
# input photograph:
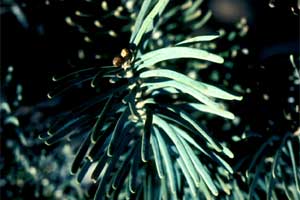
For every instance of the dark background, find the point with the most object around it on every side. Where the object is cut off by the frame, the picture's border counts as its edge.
(47, 45)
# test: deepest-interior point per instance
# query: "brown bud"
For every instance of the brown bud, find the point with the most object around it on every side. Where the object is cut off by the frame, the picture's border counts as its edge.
(126, 53)
(118, 61)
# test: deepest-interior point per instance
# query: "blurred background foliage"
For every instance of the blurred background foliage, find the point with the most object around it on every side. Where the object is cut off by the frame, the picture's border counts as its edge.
(259, 42)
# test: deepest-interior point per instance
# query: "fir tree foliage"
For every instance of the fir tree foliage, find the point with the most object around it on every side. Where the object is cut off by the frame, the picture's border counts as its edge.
(138, 138)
